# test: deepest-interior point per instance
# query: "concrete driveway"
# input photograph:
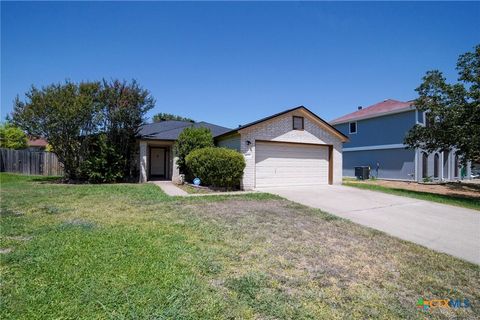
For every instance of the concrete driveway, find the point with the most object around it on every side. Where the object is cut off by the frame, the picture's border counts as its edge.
(443, 228)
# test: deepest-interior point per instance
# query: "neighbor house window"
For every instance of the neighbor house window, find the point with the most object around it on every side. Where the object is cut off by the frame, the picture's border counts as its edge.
(298, 123)
(420, 117)
(352, 127)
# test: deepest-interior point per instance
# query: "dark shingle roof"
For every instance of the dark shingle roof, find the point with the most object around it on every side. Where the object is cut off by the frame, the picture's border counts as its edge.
(169, 130)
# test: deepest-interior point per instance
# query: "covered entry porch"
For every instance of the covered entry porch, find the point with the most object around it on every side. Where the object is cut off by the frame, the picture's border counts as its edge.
(157, 161)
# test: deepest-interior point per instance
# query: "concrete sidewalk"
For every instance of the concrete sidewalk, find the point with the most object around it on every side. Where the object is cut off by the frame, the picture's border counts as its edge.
(170, 188)
(444, 228)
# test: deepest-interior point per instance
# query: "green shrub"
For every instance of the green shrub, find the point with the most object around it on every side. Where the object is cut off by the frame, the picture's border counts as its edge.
(191, 139)
(218, 167)
(102, 163)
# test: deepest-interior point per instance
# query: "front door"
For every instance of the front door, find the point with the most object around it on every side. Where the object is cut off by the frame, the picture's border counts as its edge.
(157, 162)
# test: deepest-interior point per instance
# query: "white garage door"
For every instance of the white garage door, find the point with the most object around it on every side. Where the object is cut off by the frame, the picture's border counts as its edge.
(287, 164)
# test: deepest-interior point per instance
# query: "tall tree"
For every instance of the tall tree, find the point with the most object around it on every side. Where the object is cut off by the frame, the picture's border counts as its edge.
(168, 116)
(453, 110)
(123, 108)
(12, 137)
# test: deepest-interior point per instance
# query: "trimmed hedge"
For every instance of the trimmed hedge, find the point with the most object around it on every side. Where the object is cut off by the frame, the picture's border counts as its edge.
(217, 167)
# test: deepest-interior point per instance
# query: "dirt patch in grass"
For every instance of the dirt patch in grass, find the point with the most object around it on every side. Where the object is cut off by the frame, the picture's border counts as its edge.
(459, 189)
(195, 190)
(313, 261)
(192, 189)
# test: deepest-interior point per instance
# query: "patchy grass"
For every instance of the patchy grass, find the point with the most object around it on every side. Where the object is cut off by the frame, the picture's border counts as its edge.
(130, 251)
(459, 201)
(194, 190)
(204, 190)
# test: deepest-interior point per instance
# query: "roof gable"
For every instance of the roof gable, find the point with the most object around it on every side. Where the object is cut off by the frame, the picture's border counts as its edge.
(319, 120)
(385, 107)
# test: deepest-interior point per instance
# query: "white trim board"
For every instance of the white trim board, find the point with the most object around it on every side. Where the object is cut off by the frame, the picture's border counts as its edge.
(379, 147)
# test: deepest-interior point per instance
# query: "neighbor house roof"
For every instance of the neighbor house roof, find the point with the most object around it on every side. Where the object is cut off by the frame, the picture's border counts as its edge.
(385, 107)
(282, 113)
(37, 142)
(169, 130)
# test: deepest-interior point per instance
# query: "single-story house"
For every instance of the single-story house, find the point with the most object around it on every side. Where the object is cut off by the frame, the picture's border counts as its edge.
(291, 148)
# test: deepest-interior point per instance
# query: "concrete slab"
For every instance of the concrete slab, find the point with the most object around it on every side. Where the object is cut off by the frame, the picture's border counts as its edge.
(443, 228)
(170, 188)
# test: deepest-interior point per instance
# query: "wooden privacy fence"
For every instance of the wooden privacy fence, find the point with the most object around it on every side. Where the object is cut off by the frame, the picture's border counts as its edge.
(30, 162)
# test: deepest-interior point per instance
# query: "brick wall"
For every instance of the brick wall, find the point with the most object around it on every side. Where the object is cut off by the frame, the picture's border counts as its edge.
(280, 129)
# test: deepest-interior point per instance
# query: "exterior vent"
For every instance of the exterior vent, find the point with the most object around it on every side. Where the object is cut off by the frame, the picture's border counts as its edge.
(360, 107)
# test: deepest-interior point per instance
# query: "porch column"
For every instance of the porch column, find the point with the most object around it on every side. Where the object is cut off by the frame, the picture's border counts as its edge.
(143, 161)
(442, 154)
(417, 174)
(175, 170)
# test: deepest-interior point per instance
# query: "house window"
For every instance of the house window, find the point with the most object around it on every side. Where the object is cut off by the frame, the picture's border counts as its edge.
(420, 117)
(352, 127)
(436, 165)
(298, 123)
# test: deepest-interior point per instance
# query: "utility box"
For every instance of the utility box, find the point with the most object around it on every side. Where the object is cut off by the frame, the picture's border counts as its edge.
(362, 173)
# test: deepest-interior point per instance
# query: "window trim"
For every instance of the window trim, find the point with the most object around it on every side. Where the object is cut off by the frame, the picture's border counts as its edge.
(417, 115)
(350, 127)
(293, 123)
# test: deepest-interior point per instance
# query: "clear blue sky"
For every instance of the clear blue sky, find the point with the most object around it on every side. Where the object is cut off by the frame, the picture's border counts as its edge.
(232, 63)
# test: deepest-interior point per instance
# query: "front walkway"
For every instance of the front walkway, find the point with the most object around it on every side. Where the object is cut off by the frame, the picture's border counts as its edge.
(444, 228)
(170, 188)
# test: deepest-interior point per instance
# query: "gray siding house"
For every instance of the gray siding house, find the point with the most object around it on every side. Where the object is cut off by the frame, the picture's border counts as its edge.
(376, 135)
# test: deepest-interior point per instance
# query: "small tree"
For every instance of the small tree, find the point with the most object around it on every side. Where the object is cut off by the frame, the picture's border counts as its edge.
(12, 137)
(168, 116)
(191, 139)
(453, 111)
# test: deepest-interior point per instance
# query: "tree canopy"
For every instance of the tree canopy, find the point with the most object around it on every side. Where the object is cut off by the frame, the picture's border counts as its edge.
(168, 116)
(452, 110)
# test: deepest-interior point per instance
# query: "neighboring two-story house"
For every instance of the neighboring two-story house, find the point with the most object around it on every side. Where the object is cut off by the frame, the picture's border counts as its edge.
(376, 139)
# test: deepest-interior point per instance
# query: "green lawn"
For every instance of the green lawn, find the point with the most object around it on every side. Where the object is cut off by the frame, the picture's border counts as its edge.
(128, 251)
(459, 201)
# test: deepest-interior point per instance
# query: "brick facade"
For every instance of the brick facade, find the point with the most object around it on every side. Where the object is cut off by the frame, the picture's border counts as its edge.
(280, 129)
